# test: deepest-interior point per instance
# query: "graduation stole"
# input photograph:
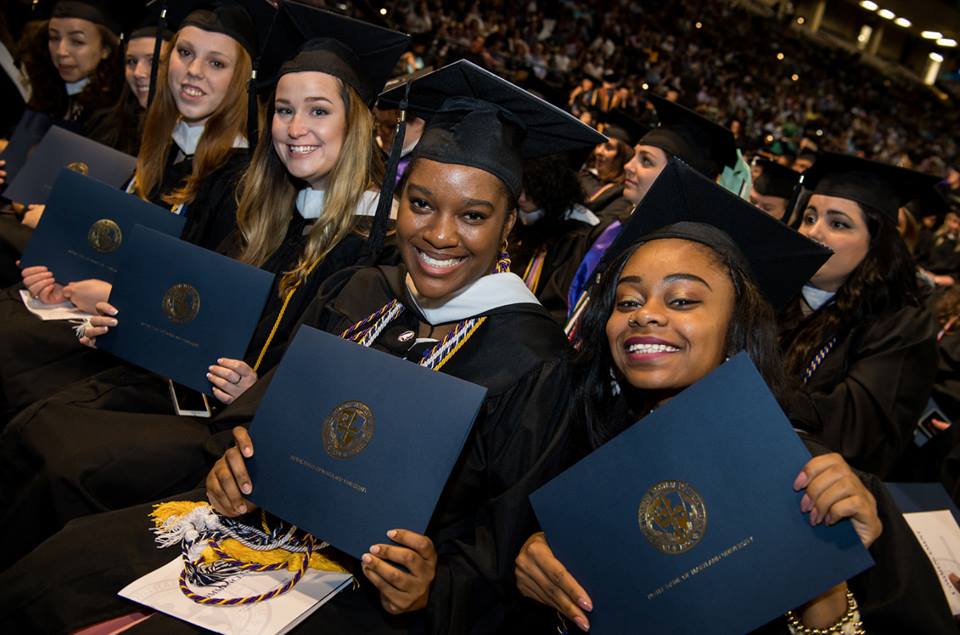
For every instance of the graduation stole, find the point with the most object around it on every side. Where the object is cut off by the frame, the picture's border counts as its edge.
(531, 276)
(367, 330)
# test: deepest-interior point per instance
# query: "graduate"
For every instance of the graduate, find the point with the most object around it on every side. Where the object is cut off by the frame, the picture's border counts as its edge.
(83, 72)
(551, 229)
(120, 126)
(773, 189)
(452, 306)
(859, 337)
(672, 307)
(704, 145)
(311, 182)
(201, 86)
(603, 180)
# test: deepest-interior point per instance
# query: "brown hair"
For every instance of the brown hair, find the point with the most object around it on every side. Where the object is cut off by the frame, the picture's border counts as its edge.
(49, 93)
(267, 193)
(216, 144)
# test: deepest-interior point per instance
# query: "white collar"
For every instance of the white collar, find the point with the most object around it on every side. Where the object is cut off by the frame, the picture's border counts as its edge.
(529, 218)
(816, 298)
(580, 213)
(489, 292)
(187, 137)
(310, 204)
(75, 88)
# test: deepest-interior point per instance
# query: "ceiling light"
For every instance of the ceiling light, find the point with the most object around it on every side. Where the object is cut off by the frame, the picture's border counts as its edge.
(869, 6)
(801, 19)
(936, 57)
(947, 41)
(931, 35)
(905, 23)
(886, 14)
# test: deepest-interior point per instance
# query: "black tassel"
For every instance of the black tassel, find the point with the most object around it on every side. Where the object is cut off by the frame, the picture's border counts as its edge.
(155, 64)
(378, 232)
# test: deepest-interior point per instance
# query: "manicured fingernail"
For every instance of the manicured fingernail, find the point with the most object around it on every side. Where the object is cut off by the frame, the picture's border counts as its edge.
(814, 517)
(247, 451)
(800, 482)
(209, 367)
(112, 322)
(375, 549)
(585, 604)
(366, 559)
(242, 508)
(219, 360)
(392, 533)
(246, 488)
(805, 503)
(113, 311)
(583, 624)
(209, 375)
(828, 519)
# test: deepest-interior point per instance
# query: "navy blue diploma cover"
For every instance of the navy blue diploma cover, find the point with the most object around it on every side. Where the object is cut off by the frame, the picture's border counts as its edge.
(60, 148)
(180, 307)
(28, 133)
(350, 442)
(687, 522)
(84, 231)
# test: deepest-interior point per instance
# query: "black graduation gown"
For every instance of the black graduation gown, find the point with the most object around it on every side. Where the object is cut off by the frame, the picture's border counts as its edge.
(38, 358)
(566, 243)
(608, 204)
(873, 385)
(55, 465)
(944, 256)
(478, 526)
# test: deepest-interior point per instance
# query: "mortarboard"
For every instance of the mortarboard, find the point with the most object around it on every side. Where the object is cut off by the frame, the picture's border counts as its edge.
(775, 179)
(112, 14)
(881, 186)
(930, 203)
(781, 260)
(703, 144)
(360, 54)
(624, 127)
(233, 19)
(483, 121)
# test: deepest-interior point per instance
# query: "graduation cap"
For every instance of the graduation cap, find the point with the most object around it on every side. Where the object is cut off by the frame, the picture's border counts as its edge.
(881, 186)
(623, 127)
(483, 121)
(112, 14)
(236, 19)
(703, 144)
(151, 22)
(775, 179)
(930, 203)
(360, 54)
(781, 260)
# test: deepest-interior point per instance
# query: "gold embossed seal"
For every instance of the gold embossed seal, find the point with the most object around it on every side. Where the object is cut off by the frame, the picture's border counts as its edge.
(673, 516)
(181, 303)
(348, 429)
(79, 167)
(105, 236)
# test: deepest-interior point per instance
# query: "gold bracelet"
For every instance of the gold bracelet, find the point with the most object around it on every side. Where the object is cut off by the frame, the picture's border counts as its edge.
(848, 624)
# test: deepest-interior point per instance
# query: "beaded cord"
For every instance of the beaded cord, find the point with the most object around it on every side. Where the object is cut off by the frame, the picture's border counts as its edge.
(818, 359)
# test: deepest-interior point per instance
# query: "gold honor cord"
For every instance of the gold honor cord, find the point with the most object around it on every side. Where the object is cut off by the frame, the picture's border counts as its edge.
(283, 309)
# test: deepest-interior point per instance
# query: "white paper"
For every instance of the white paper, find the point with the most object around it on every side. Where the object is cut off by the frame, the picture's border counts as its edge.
(61, 311)
(939, 536)
(160, 590)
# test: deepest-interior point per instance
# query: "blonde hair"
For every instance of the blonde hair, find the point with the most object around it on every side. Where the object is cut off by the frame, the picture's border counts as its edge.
(941, 234)
(267, 193)
(223, 127)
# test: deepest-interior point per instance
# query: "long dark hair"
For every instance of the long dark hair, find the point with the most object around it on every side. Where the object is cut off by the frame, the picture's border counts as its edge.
(752, 328)
(884, 281)
(552, 184)
(49, 93)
